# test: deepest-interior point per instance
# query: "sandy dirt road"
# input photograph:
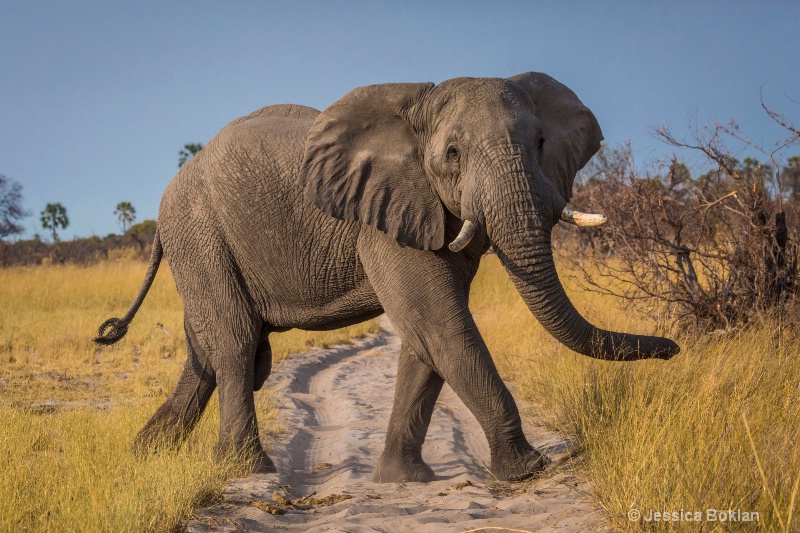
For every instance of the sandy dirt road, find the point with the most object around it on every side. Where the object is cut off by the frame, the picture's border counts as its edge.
(336, 404)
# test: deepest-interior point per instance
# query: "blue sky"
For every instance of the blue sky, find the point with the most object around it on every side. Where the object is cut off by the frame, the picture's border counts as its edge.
(97, 98)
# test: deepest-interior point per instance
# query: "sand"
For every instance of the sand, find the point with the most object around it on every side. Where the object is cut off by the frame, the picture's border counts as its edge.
(336, 404)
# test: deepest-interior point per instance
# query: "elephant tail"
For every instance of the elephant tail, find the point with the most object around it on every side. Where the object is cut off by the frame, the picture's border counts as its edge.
(114, 329)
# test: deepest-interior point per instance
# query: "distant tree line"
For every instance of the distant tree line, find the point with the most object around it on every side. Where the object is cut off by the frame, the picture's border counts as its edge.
(54, 218)
(135, 242)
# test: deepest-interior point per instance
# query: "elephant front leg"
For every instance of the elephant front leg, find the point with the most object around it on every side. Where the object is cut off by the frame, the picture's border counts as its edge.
(424, 294)
(417, 389)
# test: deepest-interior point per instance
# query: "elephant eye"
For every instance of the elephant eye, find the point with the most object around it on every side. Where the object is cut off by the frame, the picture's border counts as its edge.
(452, 153)
(541, 143)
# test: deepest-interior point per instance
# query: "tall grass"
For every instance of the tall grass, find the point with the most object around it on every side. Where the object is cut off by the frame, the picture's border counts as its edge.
(72, 470)
(69, 409)
(715, 428)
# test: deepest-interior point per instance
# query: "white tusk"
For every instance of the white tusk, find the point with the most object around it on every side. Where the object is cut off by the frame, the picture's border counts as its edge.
(582, 219)
(464, 236)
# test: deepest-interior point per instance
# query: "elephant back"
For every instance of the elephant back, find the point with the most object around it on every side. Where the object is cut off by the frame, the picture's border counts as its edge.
(290, 111)
(267, 138)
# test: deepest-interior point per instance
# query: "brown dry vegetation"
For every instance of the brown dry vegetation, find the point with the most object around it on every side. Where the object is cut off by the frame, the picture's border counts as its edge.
(717, 250)
(69, 409)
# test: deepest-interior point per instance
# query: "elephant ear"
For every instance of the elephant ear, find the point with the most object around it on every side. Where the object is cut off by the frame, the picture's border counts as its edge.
(571, 132)
(362, 161)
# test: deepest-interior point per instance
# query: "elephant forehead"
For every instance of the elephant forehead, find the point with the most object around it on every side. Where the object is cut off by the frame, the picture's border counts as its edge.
(476, 106)
(489, 93)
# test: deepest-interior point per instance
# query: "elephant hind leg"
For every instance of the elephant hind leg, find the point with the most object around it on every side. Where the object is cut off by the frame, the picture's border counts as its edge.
(178, 415)
(233, 338)
(241, 368)
(262, 366)
(416, 391)
(227, 329)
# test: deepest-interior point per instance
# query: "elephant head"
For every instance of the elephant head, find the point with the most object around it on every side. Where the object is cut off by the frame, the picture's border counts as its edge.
(499, 154)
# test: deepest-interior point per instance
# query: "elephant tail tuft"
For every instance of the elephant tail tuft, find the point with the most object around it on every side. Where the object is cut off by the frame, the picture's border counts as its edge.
(111, 331)
(114, 329)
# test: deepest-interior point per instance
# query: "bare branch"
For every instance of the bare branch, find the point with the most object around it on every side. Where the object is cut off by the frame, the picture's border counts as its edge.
(715, 250)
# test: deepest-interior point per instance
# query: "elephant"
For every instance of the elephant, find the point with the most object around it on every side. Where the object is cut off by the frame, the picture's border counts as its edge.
(382, 203)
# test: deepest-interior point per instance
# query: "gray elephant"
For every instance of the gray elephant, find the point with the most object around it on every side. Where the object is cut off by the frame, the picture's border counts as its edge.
(292, 218)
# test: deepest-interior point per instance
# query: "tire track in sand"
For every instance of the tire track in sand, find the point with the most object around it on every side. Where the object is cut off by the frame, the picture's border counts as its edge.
(336, 404)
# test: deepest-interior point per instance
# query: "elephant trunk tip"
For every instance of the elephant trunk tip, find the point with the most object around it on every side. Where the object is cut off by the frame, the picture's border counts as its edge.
(669, 349)
(111, 331)
(626, 347)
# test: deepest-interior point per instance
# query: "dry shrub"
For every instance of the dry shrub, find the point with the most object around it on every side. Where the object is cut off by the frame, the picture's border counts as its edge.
(715, 251)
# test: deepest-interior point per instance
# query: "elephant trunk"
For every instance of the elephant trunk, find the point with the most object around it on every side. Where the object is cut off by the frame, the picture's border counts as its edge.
(519, 223)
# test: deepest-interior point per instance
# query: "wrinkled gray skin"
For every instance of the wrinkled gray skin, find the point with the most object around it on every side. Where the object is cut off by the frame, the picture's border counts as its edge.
(292, 218)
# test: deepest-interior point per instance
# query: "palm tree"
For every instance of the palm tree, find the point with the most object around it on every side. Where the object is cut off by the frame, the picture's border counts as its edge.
(126, 214)
(54, 216)
(189, 150)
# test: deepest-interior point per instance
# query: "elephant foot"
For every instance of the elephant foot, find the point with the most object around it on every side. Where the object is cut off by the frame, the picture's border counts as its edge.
(515, 467)
(399, 470)
(252, 456)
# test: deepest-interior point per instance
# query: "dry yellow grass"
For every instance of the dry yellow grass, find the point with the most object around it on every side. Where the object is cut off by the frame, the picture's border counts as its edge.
(714, 428)
(69, 410)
